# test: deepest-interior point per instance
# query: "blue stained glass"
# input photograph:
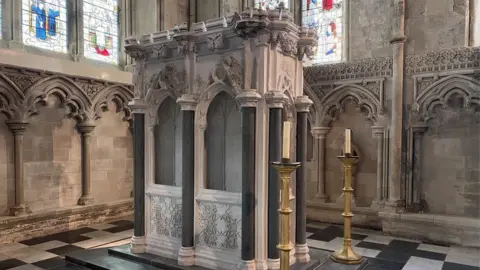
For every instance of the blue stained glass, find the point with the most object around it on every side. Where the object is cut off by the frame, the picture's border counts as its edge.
(44, 24)
(100, 22)
(326, 16)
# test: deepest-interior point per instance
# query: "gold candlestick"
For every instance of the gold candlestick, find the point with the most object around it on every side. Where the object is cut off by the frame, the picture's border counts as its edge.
(285, 169)
(346, 255)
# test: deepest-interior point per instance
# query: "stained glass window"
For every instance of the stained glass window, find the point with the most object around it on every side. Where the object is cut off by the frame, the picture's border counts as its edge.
(100, 27)
(270, 4)
(326, 16)
(44, 24)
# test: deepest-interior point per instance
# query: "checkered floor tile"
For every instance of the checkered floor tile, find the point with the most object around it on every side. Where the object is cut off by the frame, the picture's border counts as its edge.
(391, 253)
(47, 252)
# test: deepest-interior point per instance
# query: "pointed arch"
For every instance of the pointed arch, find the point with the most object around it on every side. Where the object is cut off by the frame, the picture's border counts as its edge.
(334, 101)
(315, 109)
(10, 97)
(441, 91)
(69, 93)
(206, 98)
(119, 94)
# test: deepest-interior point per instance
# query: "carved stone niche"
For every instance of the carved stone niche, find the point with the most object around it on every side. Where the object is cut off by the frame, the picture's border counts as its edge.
(340, 199)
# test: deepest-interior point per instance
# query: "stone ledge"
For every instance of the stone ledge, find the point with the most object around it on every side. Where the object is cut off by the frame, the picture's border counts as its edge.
(332, 213)
(439, 229)
(14, 229)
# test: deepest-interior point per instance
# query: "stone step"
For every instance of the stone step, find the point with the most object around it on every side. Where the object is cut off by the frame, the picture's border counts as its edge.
(99, 259)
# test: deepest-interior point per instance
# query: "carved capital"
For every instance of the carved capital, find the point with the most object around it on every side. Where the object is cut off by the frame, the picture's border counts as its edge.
(320, 132)
(134, 49)
(138, 105)
(85, 128)
(250, 22)
(275, 99)
(419, 129)
(303, 104)
(188, 102)
(17, 127)
(248, 99)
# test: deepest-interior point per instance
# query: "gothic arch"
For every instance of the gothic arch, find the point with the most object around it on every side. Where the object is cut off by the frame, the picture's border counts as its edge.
(334, 101)
(441, 91)
(206, 98)
(69, 93)
(314, 109)
(10, 97)
(119, 94)
(155, 98)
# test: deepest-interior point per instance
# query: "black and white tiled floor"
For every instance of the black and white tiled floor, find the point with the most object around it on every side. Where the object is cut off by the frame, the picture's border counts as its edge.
(392, 253)
(47, 252)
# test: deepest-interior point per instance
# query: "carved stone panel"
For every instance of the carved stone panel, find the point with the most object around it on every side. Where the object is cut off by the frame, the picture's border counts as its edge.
(166, 216)
(219, 225)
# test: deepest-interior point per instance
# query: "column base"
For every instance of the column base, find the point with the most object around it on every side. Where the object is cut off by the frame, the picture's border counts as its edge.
(261, 265)
(186, 256)
(301, 253)
(247, 265)
(321, 198)
(377, 204)
(394, 206)
(20, 210)
(273, 264)
(16, 45)
(138, 244)
(86, 200)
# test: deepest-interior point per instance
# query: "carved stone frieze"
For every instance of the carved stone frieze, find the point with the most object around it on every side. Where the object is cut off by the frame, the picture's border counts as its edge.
(166, 216)
(169, 79)
(160, 52)
(215, 41)
(364, 68)
(455, 58)
(21, 80)
(219, 225)
(21, 90)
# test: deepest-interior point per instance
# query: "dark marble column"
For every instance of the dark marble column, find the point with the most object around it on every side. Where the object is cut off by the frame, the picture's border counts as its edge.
(138, 239)
(302, 105)
(248, 102)
(275, 102)
(186, 255)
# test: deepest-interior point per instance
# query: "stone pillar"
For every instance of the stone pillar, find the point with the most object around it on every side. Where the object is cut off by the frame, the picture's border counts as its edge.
(275, 102)
(85, 130)
(415, 188)
(16, 42)
(302, 104)
(379, 132)
(319, 134)
(248, 102)
(186, 255)
(395, 199)
(18, 129)
(138, 244)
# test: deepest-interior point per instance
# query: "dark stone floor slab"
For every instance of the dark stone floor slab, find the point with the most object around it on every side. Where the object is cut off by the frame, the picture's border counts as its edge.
(331, 265)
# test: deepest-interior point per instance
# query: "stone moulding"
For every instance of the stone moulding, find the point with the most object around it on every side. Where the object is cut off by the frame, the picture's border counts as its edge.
(450, 59)
(364, 68)
(21, 90)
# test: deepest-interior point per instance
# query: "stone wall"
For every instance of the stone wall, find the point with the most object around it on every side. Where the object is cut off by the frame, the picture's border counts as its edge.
(54, 110)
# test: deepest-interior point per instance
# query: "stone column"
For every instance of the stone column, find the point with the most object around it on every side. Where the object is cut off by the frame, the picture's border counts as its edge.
(379, 132)
(16, 42)
(85, 130)
(18, 129)
(302, 104)
(319, 134)
(186, 255)
(138, 244)
(275, 102)
(396, 143)
(415, 188)
(248, 102)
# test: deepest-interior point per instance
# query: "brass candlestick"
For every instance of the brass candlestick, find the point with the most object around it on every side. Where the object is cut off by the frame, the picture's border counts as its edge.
(285, 169)
(346, 255)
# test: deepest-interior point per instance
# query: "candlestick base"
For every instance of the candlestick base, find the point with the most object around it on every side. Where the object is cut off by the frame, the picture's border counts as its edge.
(346, 255)
(331, 265)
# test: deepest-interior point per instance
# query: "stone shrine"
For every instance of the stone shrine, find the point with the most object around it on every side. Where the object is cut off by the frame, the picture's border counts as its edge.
(208, 110)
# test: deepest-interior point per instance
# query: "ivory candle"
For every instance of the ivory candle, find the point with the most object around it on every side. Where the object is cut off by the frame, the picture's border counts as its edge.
(286, 139)
(348, 141)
